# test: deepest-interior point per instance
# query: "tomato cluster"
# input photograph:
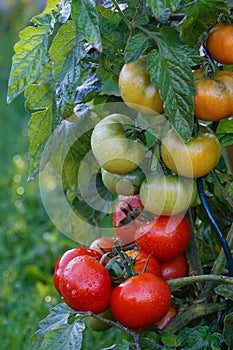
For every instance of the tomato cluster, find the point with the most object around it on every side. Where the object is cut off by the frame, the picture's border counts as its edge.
(125, 277)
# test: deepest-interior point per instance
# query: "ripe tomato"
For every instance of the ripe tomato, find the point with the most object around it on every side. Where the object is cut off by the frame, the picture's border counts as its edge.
(165, 236)
(167, 195)
(85, 285)
(106, 243)
(140, 259)
(219, 43)
(66, 258)
(112, 149)
(195, 158)
(140, 301)
(122, 211)
(213, 100)
(136, 89)
(123, 184)
(174, 268)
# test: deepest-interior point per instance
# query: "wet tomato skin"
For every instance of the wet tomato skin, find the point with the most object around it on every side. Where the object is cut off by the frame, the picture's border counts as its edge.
(86, 285)
(165, 237)
(175, 268)
(66, 258)
(140, 301)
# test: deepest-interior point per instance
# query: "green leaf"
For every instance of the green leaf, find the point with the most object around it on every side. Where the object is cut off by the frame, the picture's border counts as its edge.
(64, 41)
(58, 315)
(225, 132)
(201, 15)
(169, 339)
(158, 7)
(85, 16)
(169, 69)
(39, 100)
(227, 330)
(135, 47)
(30, 56)
(225, 291)
(65, 336)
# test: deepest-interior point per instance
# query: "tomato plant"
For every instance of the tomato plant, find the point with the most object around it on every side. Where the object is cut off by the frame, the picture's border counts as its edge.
(190, 159)
(213, 98)
(140, 301)
(117, 87)
(137, 90)
(219, 43)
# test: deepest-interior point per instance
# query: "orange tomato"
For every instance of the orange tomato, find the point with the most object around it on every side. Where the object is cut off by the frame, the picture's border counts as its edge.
(213, 100)
(219, 43)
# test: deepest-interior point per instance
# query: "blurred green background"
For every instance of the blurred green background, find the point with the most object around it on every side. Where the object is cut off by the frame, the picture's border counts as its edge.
(29, 244)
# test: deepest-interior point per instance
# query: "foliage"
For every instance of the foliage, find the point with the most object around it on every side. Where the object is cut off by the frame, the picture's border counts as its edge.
(67, 64)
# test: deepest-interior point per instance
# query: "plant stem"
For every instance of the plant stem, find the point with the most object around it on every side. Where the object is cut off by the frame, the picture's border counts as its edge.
(192, 254)
(218, 267)
(221, 189)
(192, 312)
(123, 17)
(184, 281)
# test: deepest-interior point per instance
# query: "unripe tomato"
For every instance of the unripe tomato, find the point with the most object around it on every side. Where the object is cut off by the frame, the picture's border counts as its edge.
(66, 258)
(85, 285)
(126, 232)
(136, 89)
(141, 260)
(167, 195)
(140, 301)
(175, 268)
(112, 149)
(195, 158)
(213, 100)
(98, 325)
(165, 237)
(219, 43)
(123, 184)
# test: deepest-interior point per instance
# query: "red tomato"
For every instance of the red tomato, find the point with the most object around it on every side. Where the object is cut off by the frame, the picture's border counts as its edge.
(174, 268)
(140, 260)
(140, 301)
(85, 285)
(129, 204)
(165, 236)
(66, 258)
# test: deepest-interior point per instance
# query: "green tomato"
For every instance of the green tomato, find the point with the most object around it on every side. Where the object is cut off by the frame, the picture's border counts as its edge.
(123, 184)
(167, 194)
(98, 325)
(112, 149)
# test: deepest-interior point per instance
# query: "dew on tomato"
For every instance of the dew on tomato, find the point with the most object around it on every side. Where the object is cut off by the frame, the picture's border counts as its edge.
(86, 285)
